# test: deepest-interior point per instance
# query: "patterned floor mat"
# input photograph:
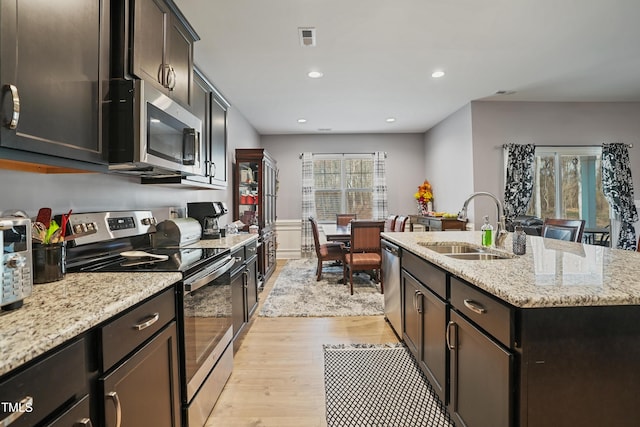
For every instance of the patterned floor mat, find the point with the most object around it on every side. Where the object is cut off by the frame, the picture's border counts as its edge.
(379, 385)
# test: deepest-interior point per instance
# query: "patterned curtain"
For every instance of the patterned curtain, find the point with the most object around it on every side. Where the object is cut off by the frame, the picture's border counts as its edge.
(308, 249)
(380, 207)
(618, 190)
(518, 185)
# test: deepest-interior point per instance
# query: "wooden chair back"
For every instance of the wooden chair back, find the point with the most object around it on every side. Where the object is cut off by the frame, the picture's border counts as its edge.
(400, 224)
(316, 234)
(390, 222)
(344, 219)
(563, 229)
(365, 235)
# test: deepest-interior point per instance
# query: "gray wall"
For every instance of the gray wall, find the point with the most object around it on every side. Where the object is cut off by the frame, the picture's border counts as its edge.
(494, 123)
(405, 165)
(88, 192)
(449, 160)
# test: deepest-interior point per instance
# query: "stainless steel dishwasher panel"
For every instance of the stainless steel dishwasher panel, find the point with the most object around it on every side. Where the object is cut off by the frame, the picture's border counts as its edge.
(391, 272)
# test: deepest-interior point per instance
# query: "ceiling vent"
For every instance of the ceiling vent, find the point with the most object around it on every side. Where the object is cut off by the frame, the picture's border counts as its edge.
(307, 36)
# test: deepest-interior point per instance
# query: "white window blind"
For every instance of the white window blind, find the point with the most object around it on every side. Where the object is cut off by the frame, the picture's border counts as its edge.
(343, 184)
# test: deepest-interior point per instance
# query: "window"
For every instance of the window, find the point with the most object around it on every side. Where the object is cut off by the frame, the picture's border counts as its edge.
(343, 184)
(568, 184)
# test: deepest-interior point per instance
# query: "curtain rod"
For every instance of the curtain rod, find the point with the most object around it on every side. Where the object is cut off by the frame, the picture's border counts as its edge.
(300, 155)
(563, 146)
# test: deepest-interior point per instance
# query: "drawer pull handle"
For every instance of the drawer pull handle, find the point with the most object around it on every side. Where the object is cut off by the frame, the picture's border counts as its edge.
(450, 326)
(85, 422)
(153, 319)
(116, 402)
(26, 401)
(474, 306)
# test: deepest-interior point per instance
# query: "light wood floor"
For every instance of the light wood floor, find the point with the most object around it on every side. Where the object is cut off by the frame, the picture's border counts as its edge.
(277, 378)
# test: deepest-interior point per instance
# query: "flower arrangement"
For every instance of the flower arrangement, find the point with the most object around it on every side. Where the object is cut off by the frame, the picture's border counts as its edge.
(424, 197)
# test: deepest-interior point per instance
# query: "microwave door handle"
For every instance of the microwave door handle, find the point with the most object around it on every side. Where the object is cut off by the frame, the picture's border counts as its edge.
(190, 139)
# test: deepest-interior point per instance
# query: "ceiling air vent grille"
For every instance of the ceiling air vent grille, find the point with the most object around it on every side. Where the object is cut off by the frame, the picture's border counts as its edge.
(307, 36)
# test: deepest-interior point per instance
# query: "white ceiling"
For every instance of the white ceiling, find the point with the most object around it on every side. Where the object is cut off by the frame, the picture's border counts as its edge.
(377, 57)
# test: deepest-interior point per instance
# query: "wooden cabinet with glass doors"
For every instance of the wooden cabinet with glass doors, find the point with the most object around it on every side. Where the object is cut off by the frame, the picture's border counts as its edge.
(254, 202)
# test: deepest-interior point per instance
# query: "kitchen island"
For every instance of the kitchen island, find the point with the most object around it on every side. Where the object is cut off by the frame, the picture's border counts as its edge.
(551, 337)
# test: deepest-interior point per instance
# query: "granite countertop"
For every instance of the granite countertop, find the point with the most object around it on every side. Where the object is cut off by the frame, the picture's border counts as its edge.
(232, 242)
(552, 273)
(59, 311)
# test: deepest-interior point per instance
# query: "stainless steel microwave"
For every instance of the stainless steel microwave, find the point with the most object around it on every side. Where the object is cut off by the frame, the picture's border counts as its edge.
(149, 134)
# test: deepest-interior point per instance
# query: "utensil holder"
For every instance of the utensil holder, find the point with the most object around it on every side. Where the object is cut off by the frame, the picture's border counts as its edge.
(48, 262)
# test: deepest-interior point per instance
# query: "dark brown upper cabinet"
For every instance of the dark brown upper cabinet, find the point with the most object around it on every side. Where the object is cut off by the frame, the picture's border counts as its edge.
(161, 52)
(53, 74)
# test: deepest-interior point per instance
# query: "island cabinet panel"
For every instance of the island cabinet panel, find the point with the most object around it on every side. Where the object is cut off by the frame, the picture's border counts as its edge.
(424, 324)
(481, 377)
(53, 74)
(490, 314)
(580, 366)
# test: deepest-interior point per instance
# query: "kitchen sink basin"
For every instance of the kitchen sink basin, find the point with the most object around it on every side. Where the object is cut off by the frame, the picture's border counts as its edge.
(462, 250)
(478, 256)
(452, 248)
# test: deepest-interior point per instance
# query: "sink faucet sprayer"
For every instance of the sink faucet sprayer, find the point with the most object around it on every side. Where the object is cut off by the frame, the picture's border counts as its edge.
(501, 229)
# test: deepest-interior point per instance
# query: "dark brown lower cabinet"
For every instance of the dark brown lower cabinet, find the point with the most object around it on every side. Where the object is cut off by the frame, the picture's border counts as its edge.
(481, 377)
(244, 293)
(425, 322)
(143, 390)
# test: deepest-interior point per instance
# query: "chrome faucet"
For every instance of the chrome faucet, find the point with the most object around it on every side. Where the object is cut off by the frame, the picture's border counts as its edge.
(501, 229)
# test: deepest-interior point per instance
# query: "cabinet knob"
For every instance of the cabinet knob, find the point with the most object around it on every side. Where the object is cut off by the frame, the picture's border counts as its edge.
(85, 422)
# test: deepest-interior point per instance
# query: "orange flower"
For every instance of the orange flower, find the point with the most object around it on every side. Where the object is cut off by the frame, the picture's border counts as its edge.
(425, 193)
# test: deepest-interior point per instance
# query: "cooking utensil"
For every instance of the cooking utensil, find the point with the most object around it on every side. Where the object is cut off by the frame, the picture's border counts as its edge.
(44, 216)
(53, 227)
(142, 254)
(38, 232)
(65, 220)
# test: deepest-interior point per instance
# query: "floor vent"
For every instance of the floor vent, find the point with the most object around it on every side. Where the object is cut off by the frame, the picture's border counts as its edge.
(307, 36)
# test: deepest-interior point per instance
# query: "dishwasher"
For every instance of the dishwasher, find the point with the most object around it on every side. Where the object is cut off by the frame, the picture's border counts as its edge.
(391, 277)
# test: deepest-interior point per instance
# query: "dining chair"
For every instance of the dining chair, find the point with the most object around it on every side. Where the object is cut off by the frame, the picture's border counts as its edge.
(390, 222)
(563, 229)
(344, 219)
(329, 251)
(400, 224)
(365, 252)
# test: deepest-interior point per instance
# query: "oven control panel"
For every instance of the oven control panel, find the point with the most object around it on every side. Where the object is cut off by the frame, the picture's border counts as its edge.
(102, 226)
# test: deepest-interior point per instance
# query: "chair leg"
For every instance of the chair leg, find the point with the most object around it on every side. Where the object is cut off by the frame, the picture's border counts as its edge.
(319, 271)
(381, 275)
(351, 279)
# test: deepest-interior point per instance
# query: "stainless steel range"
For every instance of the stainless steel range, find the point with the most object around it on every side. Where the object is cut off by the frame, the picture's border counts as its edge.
(123, 243)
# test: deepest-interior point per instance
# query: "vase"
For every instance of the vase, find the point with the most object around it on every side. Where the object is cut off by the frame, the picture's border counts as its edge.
(423, 208)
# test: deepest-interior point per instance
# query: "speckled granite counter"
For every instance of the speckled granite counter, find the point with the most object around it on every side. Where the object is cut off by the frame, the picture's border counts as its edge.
(59, 311)
(552, 273)
(232, 242)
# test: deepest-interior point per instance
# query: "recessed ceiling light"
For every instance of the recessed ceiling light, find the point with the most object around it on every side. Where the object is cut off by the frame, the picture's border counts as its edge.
(437, 74)
(391, 119)
(315, 74)
(302, 120)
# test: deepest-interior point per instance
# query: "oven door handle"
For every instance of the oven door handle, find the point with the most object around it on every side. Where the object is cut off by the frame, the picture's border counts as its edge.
(209, 274)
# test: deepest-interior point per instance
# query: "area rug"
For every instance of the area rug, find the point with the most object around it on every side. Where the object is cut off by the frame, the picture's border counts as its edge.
(379, 385)
(296, 293)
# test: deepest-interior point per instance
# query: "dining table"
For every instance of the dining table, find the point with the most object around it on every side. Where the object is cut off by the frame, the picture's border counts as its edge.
(337, 233)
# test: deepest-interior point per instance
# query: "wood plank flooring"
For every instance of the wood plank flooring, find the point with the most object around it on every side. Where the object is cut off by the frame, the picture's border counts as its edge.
(278, 373)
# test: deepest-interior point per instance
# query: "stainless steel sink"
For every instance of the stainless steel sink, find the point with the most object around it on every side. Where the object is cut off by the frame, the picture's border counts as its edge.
(467, 251)
(452, 248)
(481, 256)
